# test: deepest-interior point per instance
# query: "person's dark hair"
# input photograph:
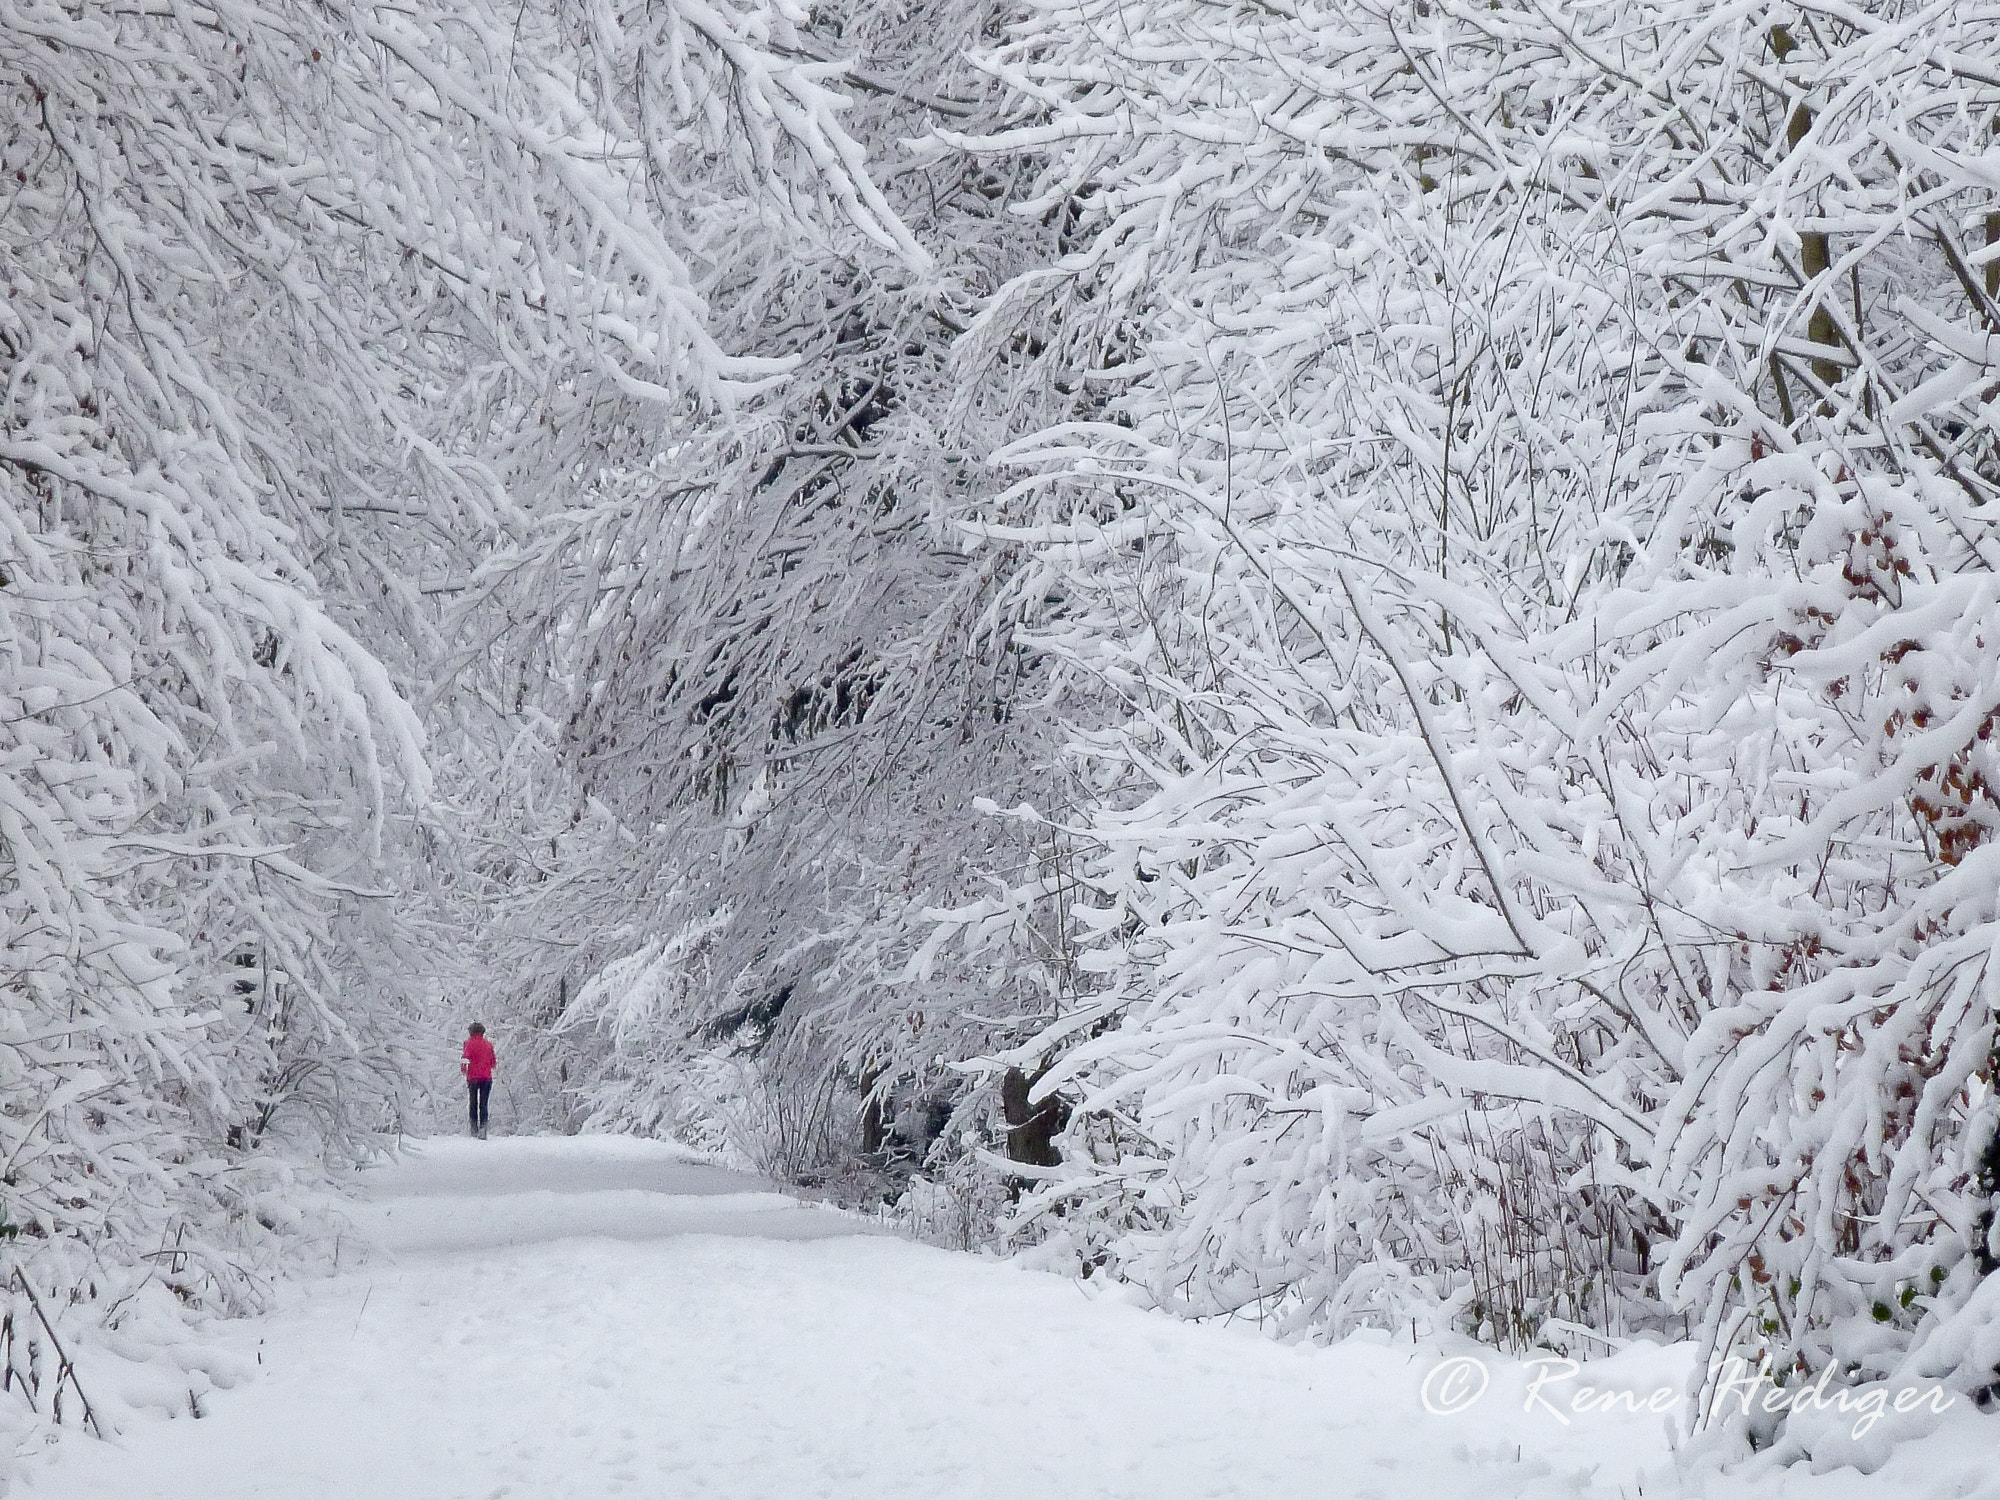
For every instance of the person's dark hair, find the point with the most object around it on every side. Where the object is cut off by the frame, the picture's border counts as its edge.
(477, 1029)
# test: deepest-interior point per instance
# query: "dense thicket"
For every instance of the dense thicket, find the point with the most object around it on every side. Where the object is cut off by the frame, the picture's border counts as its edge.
(1542, 870)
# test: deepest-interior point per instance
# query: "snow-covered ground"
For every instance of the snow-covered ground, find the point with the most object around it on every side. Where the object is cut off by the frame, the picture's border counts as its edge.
(569, 1319)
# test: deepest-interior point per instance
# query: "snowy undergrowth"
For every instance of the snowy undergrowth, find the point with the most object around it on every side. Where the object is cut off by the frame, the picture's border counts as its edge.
(95, 1340)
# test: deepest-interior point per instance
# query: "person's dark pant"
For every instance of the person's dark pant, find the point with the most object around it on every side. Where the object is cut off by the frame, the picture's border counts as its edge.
(477, 1092)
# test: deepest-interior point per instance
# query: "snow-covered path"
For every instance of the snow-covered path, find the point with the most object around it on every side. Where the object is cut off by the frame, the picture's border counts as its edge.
(584, 1318)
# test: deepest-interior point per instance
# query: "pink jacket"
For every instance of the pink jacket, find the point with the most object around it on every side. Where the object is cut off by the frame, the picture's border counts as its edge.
(478, 1059)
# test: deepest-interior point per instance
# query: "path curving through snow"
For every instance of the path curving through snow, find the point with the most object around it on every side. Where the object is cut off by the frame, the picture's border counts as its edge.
(593, 1317)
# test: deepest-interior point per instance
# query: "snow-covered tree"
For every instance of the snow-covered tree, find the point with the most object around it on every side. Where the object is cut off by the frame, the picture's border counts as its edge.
(779, 667)
(1542, 546)
(301, 299)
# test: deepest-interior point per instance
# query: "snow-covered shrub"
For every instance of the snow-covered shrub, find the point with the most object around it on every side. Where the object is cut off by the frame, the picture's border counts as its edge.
(959, 1207)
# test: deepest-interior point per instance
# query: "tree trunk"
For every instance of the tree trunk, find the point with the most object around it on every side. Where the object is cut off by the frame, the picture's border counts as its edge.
(1031, 1128)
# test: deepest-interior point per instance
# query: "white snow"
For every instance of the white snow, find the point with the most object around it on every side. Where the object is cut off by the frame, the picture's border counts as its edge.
(569, 1319)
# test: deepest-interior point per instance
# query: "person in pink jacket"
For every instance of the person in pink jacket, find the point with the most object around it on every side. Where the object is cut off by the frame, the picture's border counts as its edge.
(477, 1066)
